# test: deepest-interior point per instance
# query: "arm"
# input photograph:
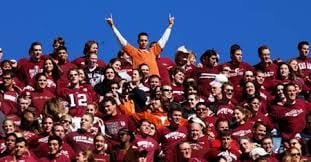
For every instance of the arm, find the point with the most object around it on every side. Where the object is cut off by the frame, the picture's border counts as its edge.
(120, 38)
(167, 32)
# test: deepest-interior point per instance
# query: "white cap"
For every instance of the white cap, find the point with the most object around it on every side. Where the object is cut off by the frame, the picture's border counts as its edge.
(195, 119)
(183, 49)
(258, 151)
(219, 79)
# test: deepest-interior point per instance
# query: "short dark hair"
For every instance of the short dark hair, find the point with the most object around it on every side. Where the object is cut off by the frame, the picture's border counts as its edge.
(21, 139)
(302, 43)
(261, 48)
(173, 106)
(33, 44)
(142, 34)
(234, 48)
(57, 138)
(61, 48)
(110, 99)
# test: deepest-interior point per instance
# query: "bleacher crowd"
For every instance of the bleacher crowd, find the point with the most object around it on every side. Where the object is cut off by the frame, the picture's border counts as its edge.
(141, 107)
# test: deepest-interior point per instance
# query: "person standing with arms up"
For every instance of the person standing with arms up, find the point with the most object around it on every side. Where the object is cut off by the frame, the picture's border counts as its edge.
(142, 54)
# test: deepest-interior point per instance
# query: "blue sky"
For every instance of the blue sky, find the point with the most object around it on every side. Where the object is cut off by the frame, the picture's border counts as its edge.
(199, 25)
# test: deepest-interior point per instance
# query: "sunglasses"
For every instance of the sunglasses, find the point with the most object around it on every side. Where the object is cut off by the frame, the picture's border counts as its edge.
(295, 154)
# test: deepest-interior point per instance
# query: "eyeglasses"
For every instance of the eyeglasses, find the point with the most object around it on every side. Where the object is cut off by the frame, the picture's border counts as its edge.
(295, 154)
(7, 78)
(167, 90)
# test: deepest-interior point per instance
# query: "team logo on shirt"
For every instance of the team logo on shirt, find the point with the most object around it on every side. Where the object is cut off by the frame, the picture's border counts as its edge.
(294, 112)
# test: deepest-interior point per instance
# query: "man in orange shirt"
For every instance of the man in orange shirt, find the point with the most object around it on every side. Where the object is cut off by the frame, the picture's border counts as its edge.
(142, 54)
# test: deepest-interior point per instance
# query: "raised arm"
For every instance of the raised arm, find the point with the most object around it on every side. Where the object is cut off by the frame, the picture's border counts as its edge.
(120, 38)
(167, 32)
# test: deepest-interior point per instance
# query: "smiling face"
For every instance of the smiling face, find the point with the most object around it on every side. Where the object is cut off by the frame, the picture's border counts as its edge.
(196, 131)
(48, 65)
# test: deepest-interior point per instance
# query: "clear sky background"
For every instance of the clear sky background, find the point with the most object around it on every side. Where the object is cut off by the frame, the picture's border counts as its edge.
(199, 25)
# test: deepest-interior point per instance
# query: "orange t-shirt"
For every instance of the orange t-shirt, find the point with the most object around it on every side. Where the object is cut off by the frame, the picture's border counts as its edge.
(148, 57)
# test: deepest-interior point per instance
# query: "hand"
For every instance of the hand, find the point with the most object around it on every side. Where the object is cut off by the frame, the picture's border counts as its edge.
(171, 20)
(109, 20)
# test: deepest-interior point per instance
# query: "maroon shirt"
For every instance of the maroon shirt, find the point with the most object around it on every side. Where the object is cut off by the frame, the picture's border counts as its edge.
(80, 140)
(269, 71)
(57, 158)
(200, 147)
(304, 65)
(39, 98)
(169, 139)
(81, 62)
(204, 76)
(178, 93)
(290, 118)
(8, 101)
(77, 98)
(27, 69)
(148, 144)
(237, 71)
(243, 130)
(42, 150)
(102, 157)
(114, 123)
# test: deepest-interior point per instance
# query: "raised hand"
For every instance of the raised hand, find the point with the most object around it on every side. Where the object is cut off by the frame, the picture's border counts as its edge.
(171, 20)
(109, 20)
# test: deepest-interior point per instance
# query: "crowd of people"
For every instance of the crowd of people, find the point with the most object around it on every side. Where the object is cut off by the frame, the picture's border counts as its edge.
(141, 107)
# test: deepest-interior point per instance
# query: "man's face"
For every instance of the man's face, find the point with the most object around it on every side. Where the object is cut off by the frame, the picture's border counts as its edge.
(267, 144)
(73, 77)
(223, 125)
(196, 131)
(23, 104)
(36, 52)
(8, 126)
(260, 132)
(93, 60)
(260, 78)
(237, 56)
(62, 55)
(86, 122)
(167, 92)
(192, 100)
(226, 142)
(7, 80)
(10, 142)
(154, 81)
(185, 150)
(265, 56)
(143, 42)
(54, 147)
(59, 131)
(99, 143)
(304, 51)
(109, 108)
(179, 77)
(144, 128)
(176, 116)
(20, 149)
